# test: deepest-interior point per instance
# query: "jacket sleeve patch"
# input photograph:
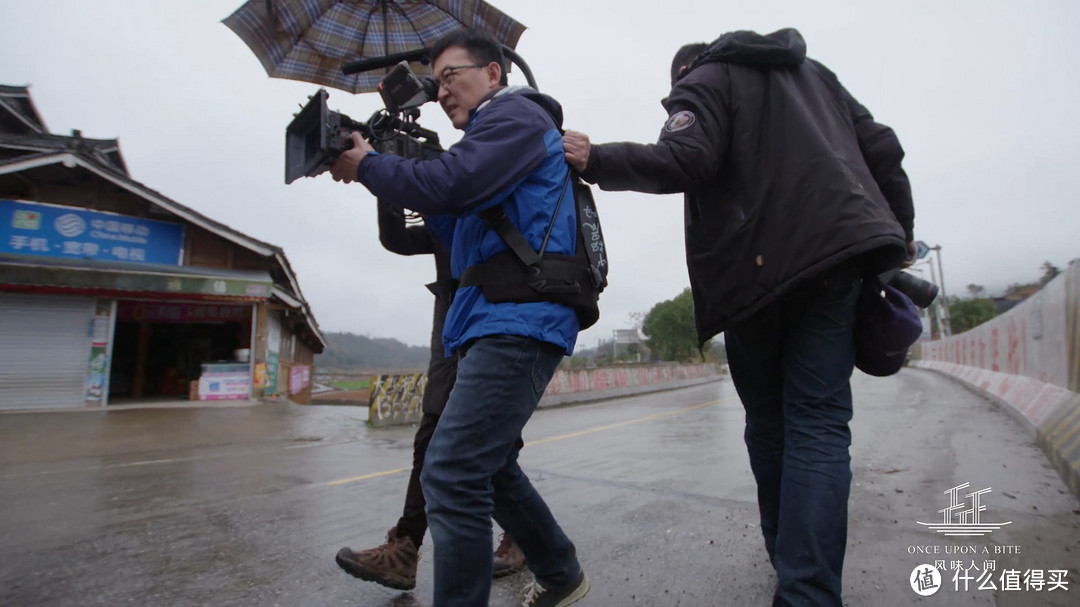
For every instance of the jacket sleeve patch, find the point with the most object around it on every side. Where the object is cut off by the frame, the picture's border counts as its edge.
(679, 121)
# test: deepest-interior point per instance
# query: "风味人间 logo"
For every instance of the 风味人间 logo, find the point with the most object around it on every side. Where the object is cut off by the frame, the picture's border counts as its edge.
(964, 518)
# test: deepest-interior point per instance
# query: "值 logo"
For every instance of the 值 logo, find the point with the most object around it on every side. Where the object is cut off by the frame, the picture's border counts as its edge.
(925, 580)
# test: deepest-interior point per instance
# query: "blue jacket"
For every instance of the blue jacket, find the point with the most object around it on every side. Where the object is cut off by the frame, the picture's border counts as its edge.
(511, 155)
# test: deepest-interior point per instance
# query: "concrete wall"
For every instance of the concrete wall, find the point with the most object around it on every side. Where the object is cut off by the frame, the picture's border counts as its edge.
(580, 385)
(395, 399)
(1029, 360)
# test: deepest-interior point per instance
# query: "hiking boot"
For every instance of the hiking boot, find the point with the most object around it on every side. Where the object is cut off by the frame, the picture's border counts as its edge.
(392, 565)
(538, 596)
(508, 557)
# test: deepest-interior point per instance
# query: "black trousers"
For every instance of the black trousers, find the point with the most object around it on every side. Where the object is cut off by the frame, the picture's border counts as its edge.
(413, 521)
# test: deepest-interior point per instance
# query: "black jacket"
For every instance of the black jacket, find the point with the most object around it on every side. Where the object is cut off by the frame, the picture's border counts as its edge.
(398, 237)
(785, 175)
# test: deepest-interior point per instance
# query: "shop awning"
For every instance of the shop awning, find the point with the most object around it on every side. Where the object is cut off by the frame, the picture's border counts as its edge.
(103, 278)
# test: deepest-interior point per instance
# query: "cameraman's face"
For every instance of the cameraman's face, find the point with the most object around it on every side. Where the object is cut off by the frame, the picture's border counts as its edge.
(463, 83)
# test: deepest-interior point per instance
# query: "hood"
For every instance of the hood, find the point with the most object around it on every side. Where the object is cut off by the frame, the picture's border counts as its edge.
(780, 49)
(547, 102)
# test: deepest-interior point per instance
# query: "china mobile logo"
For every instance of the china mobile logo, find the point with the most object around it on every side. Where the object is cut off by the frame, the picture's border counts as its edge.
(964, 518)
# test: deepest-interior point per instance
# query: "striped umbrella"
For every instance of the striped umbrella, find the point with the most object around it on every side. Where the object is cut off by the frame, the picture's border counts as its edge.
(310, 40)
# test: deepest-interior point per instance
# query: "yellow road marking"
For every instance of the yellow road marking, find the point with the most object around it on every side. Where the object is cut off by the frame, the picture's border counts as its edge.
(367, 476)
(550, 439)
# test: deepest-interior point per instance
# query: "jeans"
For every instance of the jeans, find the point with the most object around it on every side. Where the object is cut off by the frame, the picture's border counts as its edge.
(471, 474)
(791, 363)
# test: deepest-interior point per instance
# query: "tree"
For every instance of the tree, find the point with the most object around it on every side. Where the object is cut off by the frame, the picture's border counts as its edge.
(970, 313)
(1049, 272)
(1018, 291)
(349, 352)
(669, 329)
(976, 291)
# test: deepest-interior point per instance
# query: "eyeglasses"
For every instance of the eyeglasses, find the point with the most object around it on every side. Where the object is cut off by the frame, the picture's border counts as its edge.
(449, 73)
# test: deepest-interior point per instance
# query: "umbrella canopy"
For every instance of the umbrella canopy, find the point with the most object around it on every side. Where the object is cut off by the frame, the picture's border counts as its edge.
(310, 40)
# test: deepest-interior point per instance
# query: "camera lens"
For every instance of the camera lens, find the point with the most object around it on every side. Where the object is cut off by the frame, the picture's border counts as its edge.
(921, 292)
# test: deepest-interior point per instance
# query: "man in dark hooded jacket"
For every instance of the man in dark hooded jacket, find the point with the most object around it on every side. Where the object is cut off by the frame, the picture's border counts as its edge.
(792, 193)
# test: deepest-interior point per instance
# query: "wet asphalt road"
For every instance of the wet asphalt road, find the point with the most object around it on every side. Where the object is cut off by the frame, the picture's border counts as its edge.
(248, 505)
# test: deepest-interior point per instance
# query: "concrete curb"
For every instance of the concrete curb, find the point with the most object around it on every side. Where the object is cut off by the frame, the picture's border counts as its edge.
(1049, 412)
(155, 404)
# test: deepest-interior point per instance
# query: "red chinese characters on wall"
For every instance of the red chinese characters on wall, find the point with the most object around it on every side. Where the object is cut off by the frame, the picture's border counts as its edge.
(995, 353)
(1012, 360)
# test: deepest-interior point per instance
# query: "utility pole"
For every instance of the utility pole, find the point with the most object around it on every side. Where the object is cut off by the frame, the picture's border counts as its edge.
(936, 306)
(944, 297)
(930, 314)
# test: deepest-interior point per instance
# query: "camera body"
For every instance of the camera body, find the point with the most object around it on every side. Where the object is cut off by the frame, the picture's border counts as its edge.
(317, 135)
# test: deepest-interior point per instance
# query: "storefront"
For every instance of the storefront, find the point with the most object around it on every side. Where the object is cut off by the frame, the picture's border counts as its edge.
(113, 294)
(160, 348)
(45, 349)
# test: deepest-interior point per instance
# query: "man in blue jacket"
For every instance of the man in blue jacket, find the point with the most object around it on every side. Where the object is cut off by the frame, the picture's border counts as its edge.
(793, 193)
(394, 563)
(511, 157)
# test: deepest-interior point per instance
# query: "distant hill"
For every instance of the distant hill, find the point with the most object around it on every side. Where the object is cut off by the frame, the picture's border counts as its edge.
(347, 352)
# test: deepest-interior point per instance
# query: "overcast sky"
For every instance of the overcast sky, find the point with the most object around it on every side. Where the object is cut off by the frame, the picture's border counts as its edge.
(982, 95)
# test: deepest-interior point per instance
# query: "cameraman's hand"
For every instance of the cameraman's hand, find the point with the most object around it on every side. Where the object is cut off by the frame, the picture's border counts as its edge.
(576, 146)
(345, 166)
(912, 252)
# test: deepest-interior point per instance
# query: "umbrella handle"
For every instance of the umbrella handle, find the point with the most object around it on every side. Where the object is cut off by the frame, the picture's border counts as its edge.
(516, 59)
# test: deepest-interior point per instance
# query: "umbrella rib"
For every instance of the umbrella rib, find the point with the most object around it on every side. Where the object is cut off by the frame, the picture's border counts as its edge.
(386, 30)
(367, 25)
(423, 42)
(405, 16)
(274, 21)
(363, 35)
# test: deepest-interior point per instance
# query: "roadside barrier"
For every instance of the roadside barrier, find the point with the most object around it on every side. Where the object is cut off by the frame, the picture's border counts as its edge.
(1027, 359)
(395, 399)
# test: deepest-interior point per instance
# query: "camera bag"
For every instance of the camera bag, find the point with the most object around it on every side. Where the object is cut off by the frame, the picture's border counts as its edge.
(886, 324)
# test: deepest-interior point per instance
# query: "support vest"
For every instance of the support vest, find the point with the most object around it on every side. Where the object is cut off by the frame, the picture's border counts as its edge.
(521, 274)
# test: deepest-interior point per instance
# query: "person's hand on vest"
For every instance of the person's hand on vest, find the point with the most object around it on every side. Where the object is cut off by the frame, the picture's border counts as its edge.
(577, 146)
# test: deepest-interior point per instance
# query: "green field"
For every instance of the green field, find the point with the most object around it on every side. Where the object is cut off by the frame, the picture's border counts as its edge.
(351, 384)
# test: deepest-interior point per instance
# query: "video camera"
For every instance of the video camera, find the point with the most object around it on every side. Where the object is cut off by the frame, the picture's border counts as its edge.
(318, 135)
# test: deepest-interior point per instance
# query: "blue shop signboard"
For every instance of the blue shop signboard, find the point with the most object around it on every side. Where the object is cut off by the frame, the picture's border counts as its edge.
(59, 232)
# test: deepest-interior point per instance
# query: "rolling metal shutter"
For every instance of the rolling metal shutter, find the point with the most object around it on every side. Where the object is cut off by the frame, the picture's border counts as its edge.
(44, 350)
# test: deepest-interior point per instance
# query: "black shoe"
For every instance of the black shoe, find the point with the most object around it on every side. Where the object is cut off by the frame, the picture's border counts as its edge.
(538, 596)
